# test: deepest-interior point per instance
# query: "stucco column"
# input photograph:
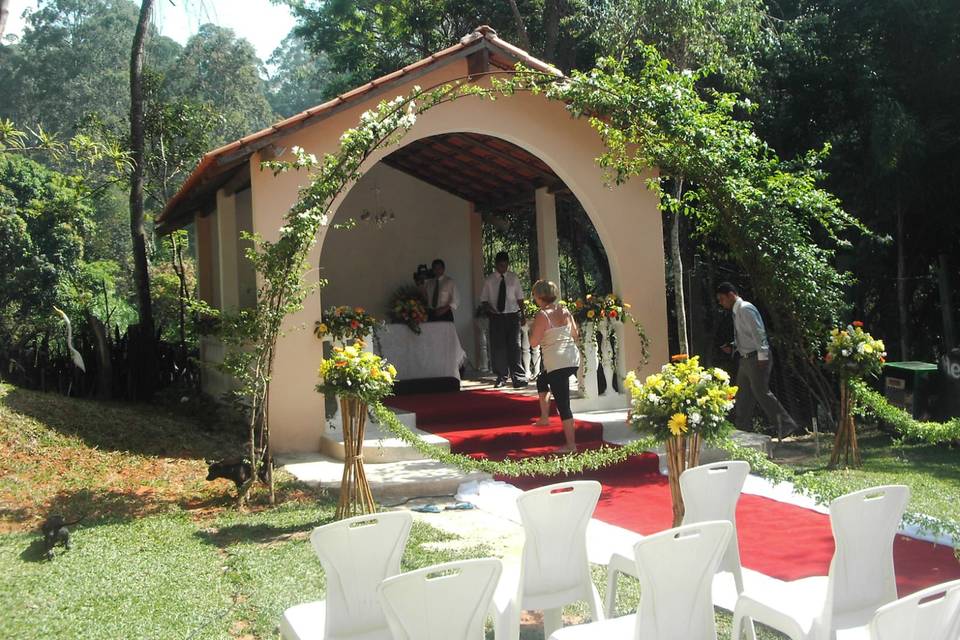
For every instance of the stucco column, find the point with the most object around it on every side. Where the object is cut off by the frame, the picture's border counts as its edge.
(227, 244)
(205, 258)
(476, 276)
(548, 250)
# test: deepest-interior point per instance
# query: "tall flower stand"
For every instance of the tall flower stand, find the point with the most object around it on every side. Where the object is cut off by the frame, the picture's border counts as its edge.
(845, 442)
(355, 496)
(682, 453)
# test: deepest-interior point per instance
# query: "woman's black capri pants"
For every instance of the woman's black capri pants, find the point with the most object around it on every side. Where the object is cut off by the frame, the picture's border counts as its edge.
(558, 383)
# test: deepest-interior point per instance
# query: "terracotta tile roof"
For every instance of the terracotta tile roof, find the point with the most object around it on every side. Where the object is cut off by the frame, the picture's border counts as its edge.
(215, 166)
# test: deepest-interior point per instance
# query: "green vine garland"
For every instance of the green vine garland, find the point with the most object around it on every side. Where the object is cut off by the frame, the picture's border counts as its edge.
(873, 403)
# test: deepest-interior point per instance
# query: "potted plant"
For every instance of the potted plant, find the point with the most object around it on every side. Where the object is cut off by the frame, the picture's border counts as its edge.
(358, 378)
(851, 353)
(683, 406)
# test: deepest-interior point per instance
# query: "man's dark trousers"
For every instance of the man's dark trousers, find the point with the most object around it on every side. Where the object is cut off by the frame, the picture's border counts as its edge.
(505, 346)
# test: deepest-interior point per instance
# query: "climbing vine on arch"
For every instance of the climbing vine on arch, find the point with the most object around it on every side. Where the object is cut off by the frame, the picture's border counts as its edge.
(767, 210)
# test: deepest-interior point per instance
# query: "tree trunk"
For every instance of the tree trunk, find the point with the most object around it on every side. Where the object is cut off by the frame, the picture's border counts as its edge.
(677, 260)
(101, 345)
(179, 269)
(147, 366)
(551, 28)
(522, 36)
(4, 13)
(903, 307)
(946, 302)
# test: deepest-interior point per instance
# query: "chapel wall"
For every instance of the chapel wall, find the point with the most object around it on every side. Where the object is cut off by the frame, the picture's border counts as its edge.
(366, 264)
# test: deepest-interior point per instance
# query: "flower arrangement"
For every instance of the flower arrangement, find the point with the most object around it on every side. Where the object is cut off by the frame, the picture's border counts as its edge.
(854, 353)
(682, 399)
(608, 309)
(683, 406)
(851, 353)
(345, 324)
(407, 306)
(530, 309)
(595, 308)
(351, 371)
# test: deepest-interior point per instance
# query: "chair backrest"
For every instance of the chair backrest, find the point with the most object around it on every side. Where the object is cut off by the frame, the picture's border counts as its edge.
(447, 601)
(555, 519)
(864, 524)
(357, 554)
(676, 569)
(931, 614)
(711, 492)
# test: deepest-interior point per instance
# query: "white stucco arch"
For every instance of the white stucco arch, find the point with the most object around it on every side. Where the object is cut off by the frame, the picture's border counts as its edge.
(626, 218)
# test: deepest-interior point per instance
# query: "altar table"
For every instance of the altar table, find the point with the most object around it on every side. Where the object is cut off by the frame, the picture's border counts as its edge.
(435, 353)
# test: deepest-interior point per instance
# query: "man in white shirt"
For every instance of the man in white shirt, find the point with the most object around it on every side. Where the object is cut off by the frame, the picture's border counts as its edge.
(442, 294)
(753, 376)
(502, 298)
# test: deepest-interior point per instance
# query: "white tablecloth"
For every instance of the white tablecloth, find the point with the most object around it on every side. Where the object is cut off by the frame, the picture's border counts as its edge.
(435, 353)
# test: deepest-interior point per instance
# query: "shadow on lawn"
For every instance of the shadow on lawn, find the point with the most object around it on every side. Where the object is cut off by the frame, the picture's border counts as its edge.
(254, 533)
(151, 430)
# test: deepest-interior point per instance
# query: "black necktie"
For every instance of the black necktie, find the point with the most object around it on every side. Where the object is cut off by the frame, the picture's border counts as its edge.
(502, 295)
(436, 292)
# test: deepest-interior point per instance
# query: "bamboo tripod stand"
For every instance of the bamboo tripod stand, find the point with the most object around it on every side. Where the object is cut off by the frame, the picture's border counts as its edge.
(682, 453)
(355, 496)
(845, 442)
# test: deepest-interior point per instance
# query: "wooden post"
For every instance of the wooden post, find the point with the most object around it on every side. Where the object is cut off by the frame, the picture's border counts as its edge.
(845, 442)
(355, 496)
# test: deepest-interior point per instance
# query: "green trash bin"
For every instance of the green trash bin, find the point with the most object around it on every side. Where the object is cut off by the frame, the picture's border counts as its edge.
(909, 385)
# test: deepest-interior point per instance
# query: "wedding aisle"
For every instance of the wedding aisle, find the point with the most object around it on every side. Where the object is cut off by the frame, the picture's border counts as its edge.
(778, 539)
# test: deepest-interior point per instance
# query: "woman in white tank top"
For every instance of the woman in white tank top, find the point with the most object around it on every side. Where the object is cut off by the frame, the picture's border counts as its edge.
(555, 332)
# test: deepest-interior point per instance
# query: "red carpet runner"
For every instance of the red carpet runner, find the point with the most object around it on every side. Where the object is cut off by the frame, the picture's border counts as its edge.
(777, 539)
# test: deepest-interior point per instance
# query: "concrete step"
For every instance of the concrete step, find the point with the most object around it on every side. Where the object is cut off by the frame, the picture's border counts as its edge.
(405, 478)
(378, 445)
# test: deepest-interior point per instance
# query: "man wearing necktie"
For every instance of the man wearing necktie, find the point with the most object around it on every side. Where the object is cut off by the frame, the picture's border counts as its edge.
(502, 298)
(442, 293)
(753, 376)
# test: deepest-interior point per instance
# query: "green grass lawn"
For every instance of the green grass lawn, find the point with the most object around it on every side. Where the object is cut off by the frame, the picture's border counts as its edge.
(163, 554)
(931, 472)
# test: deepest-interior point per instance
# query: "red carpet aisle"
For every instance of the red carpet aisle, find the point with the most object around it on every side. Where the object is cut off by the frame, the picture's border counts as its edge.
(777, 539)
(491, 423)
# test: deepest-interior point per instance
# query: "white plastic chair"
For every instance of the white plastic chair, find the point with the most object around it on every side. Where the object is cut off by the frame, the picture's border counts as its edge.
(357, 554)
(554, 570)
(710, 492)
(447, 601)
(931, 614)
(860, 580)
(676, 568)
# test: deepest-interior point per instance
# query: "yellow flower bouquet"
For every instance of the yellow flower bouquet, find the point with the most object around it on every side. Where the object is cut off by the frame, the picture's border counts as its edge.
(683, 405)
(682, 399)
(351, 371)
(854, 353)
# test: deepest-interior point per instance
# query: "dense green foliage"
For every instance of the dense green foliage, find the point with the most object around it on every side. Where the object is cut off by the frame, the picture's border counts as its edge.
(44, 221)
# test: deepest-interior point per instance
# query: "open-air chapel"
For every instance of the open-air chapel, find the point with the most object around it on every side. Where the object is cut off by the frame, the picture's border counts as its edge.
(427, 197)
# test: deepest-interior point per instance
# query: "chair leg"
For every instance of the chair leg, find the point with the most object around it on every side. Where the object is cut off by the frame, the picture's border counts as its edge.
(506, 622)
(743, 625)
(596, 607)
(610, 603)
(552, 621)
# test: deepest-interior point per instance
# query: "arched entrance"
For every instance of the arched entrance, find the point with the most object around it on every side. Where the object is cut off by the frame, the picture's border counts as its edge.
(626, 218)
